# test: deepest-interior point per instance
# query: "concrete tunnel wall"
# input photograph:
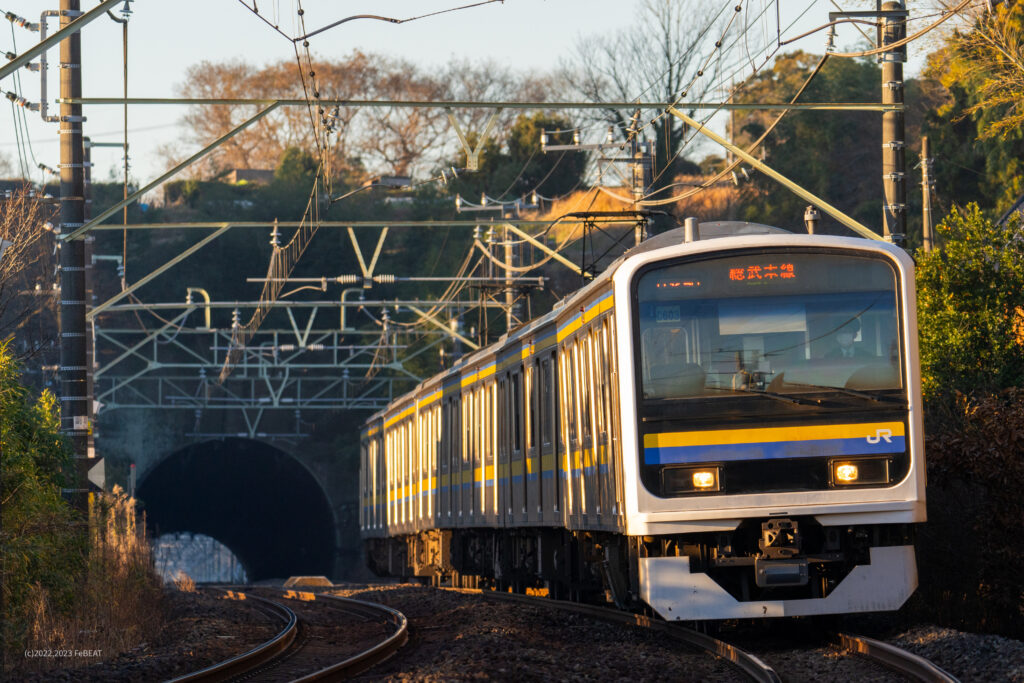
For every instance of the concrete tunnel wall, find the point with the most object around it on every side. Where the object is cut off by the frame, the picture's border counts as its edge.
(257, 500)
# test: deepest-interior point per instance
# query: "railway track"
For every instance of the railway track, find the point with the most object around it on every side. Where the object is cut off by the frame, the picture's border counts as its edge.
(906, 664)
(313, 644)
(752, 666)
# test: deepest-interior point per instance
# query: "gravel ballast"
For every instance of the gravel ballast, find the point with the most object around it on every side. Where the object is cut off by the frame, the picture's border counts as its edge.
(458, 635)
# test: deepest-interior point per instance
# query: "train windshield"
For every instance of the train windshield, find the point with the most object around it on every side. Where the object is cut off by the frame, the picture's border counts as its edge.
(787, 326)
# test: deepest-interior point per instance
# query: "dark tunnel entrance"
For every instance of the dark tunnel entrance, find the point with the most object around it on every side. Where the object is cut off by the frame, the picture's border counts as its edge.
(255, 499)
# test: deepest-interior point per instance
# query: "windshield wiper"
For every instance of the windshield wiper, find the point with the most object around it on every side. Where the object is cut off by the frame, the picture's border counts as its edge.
(771, 394)
(849, 392)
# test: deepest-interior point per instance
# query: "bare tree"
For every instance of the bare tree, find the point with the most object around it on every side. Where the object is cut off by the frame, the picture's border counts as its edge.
(662, 58)
(402, 141)
(27, 296)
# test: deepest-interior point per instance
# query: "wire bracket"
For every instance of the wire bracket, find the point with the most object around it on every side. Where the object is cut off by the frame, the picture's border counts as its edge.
(473, 155)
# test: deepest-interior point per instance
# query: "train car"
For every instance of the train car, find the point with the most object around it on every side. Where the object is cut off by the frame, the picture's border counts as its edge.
(725, 426)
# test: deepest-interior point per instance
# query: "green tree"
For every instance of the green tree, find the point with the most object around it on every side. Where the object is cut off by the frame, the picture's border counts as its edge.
(977, 129)
(520, 166)
(296, 168)
(38, 543)
(971, 306)
(824, 152)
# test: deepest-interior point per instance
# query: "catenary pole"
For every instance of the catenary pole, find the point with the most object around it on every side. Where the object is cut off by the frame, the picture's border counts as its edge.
(926, 196)
(75, 400)
(894, 162)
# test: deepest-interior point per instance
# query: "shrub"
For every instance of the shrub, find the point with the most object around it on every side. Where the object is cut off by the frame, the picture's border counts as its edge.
(41, 539)
(70, 582)
(971, 307)
(970, 560)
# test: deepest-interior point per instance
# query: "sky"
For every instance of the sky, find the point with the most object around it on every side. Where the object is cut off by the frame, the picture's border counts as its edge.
(166, 37)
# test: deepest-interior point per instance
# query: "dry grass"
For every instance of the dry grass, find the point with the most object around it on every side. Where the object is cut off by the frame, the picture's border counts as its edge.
(184, 583)
(117, 605)
(719, 202)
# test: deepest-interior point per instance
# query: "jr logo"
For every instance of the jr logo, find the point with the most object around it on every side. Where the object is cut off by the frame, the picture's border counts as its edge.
(879, 435)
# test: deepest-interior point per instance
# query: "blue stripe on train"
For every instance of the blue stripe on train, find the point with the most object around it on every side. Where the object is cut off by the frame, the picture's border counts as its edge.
(771, 450)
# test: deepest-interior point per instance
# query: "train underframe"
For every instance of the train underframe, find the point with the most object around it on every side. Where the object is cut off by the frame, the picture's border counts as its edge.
(764, 567)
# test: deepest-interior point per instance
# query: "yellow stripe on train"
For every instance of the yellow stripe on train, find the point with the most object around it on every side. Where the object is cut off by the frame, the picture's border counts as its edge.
(720, 437)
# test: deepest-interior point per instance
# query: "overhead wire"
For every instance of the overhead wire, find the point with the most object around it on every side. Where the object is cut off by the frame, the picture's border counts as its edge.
(908, 39)
(686, 142)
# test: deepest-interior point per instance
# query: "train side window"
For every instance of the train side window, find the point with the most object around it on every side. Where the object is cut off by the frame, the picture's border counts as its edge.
(576, 390)
(586, 386)
(517, 411)
(600, 378)
(467, 420)
(546, 383)
(570, 394)
(530, 418)
(501, 413)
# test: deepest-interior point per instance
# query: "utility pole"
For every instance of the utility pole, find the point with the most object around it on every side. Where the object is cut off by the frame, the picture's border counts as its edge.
(894, 163)
(75, 399)
(926, 196)
(642, 156)
(509, 293)
(90, 297)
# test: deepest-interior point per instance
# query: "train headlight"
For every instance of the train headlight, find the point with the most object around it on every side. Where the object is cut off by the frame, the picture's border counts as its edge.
(860, 472)
(846, 473)
(677, 480)
(705, 479)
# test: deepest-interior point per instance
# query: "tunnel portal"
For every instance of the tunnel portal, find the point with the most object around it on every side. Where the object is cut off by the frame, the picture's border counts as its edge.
(255, 499)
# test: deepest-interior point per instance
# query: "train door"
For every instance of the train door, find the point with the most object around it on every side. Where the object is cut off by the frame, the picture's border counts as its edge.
(365, 472)
(615, 418)
(444, 484)
(465, 478)
(488, 489)
(478, 454)
(546, 428)
(588, 428)
(534, 481)
(492, 417)
(518, 452)
(403, 484)
(603, 406)
(435, 465)
(501, 424)
(566, 383)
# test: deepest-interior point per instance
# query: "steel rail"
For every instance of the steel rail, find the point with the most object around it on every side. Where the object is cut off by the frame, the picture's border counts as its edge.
(478, 104)
(902, 662)
(375, 655)
(749, 664)
(255, 657)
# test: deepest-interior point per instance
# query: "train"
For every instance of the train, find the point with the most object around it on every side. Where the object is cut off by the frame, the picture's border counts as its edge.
(725, 423)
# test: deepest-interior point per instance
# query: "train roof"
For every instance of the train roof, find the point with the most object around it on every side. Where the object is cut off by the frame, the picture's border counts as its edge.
(707, 231)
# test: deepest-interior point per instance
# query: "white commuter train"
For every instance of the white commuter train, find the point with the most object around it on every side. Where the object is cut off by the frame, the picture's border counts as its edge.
(728, 427)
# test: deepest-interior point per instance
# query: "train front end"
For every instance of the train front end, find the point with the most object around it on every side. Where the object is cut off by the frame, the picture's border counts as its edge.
(772, 437)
